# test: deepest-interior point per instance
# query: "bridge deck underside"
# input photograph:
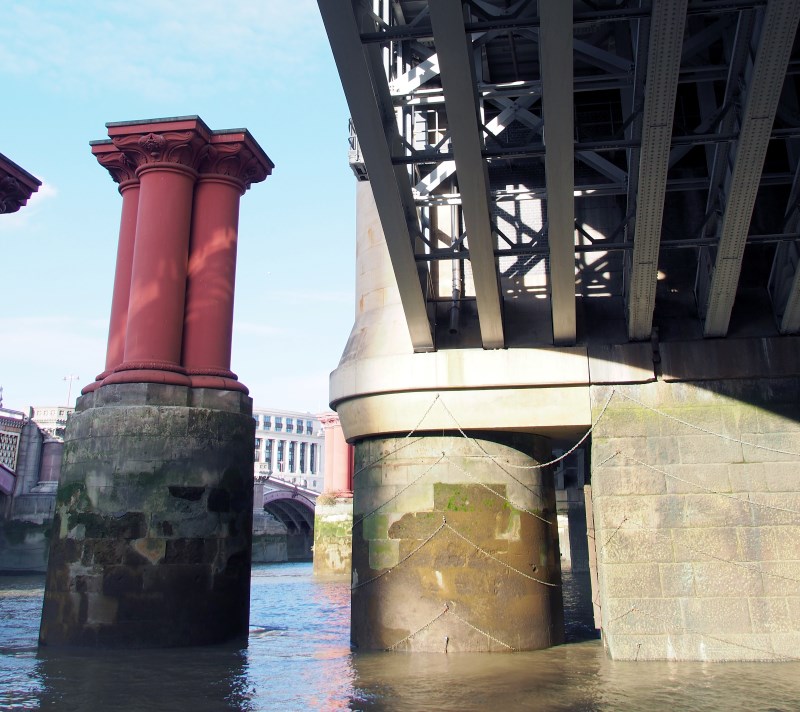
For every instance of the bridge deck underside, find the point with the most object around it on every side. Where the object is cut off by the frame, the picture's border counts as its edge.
(647, 178)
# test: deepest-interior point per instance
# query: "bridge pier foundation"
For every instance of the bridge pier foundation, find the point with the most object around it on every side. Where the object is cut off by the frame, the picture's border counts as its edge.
(455, 544)
(153, 524)
(696, 510)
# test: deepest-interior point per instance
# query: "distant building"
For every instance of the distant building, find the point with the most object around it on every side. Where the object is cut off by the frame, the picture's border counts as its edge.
(30, 466)
(52, 419)
(289, 447)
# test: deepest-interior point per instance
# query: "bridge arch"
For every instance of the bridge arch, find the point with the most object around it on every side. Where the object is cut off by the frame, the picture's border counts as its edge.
(296, 511)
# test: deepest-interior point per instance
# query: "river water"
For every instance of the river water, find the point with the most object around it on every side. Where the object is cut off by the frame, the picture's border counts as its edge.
(298, 658)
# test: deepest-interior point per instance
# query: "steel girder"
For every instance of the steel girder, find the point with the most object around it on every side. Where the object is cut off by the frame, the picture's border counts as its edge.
(523, 115)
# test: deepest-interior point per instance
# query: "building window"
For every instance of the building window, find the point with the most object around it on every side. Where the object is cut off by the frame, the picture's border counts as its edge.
(290, 425)
(267, 422)
(281, 451)
(258, 443)
(257, 457)
(292, 453)
(302, 458)
(312, 459)
(268, 453)
(278, 424)
(309, 428)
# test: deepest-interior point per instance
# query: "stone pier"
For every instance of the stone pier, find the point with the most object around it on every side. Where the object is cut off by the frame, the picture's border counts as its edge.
(152, 534)
(449, 553)
(333, 511)
(152, 530)
(697, 529)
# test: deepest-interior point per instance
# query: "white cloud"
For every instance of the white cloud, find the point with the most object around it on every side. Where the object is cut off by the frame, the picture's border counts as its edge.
(156, 49)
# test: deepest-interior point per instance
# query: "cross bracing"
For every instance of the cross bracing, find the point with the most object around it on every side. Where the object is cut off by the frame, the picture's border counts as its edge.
(524, 153)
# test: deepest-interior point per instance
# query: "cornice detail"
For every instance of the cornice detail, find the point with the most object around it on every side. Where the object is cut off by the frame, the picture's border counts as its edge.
(179, 147)
(12, 196)
(234, 160)
(118, 165)
(16, 186)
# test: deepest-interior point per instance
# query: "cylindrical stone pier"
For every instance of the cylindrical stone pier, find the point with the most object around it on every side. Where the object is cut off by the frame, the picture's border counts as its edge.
(454, 550)
(152, 530)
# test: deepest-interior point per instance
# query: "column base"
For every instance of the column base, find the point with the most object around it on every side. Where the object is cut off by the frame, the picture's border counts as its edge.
(152, 530)
(164, 372)
(454, 551)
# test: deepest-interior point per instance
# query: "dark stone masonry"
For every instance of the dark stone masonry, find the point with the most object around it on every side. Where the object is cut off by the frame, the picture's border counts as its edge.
(152, 532)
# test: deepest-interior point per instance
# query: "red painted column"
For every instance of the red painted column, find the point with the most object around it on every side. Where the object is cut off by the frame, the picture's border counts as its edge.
(230, 164)
(166, 154)
(338, 457)
(122, 172)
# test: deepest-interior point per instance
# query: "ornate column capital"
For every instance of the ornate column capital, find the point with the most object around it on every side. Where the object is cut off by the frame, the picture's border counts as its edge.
(16, 186)
(118, 165)
(328, 420)
(153, 143)
(234, 153)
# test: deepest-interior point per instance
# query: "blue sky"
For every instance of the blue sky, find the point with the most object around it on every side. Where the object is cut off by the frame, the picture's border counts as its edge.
(67, 68)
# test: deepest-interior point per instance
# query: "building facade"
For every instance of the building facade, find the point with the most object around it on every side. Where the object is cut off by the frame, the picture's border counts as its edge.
(52, 419)
(289, 446)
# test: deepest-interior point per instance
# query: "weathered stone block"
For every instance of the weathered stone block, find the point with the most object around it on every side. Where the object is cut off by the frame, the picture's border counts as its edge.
(645, 511)
(771, 447)
(711, 510)
(691, 479)
(634, 480)
(784, 645)
(632, 580)
(771, 615)
(708, 449)
(383, 554)
(727, 579)
(677, 580)
(646, 616)
(705, 543)
(133, 489)
(720, 617)
(636, 545)
(781, 578)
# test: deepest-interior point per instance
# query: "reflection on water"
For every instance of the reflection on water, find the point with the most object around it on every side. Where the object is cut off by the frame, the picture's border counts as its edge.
(298, 658)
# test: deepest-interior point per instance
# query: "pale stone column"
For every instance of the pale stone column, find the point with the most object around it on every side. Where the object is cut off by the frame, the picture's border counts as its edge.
(122, 172)
(231, 163)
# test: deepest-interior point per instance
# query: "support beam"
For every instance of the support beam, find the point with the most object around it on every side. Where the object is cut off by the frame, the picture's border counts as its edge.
(377, 135)
(663, 64)
(784, 280)
(555, 60)
(461, 102)
(765, 82)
